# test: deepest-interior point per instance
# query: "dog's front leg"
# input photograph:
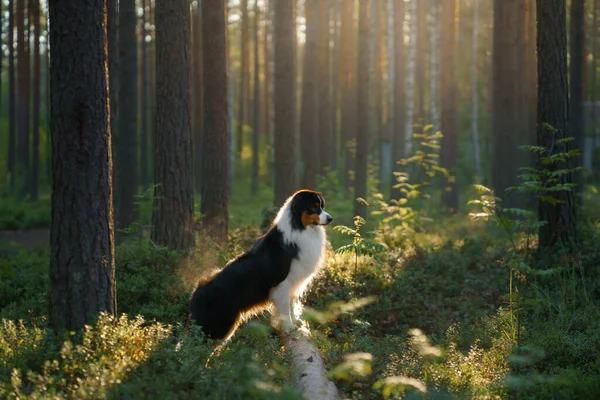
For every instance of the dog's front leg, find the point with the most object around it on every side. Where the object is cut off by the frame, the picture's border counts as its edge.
(280, 296)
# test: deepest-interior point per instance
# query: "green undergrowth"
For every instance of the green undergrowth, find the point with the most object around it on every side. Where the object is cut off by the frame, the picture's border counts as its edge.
(18, 214)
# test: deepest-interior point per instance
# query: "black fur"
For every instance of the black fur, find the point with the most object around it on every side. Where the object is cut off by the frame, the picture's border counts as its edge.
(243, 284)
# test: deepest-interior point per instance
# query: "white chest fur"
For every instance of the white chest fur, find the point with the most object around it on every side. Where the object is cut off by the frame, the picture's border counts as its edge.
(311, 249)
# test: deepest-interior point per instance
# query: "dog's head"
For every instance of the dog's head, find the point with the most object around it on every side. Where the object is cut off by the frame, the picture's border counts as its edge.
(308, 209)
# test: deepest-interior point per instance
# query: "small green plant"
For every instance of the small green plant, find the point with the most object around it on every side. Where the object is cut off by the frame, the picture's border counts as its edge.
(360, 245)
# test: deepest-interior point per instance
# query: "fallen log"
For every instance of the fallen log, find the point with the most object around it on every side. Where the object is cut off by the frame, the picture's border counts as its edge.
(312, 375)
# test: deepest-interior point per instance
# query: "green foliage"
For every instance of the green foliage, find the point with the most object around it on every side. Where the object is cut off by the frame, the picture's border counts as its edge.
(18, 214)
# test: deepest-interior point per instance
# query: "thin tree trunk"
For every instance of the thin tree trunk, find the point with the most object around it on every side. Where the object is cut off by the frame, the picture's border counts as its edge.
(309, 136)
(215, 163)
(267, 108)
(399, 94)
(82, 273)
(23, 144)
(576, 128)
(325, 142)
(434, 37)
(244, 76)
(112, 8)
(421, 51)
(559, 229)
(474, 93)
(126, 162)
(197, 89)
(35, 13)
(449, 121)
(173, 208)
(362, 75)
(144, 169)
(410, 78)
(256, 114)
(286, 177)
(335, 81)
(347, 72)
(12, 110)
(595, 54)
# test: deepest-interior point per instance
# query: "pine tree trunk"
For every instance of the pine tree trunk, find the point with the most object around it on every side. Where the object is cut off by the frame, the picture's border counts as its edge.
(35, 16)
(23, 143)
(112, 18)
(474, 93)
(173, 208)
(215, 162)
(553, 105)
(12, 110)
(434, 37)
(244, 76)
(126, 164)
(286, 178)
(595, 53)
(309, 137)
(325, 142)
(576, 128)
(449, 120)
(256, 102)
(267, 107)
(421, 65)
(410, 79)
(362, 104)
(347, 72)
(335, 82)
(197, 90)
(144, 168)
(399, 94)
(82, 273)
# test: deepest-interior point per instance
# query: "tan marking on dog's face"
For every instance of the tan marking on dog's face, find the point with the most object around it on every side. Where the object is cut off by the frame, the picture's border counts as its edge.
(309, 219)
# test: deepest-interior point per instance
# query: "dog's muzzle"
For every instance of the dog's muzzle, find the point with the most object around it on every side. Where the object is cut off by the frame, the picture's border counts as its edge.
(325, 218)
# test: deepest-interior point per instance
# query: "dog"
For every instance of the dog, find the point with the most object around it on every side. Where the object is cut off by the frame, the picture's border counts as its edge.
(275, 271)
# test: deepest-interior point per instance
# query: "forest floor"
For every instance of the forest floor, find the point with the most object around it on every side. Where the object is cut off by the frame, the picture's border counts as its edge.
(452, 308)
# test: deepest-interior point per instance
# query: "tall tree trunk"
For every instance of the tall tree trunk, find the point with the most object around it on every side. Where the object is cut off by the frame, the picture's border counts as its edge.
(421, 65)
(112, 19)
(35, 14)
(197, 90)
(509, 126)
(325, 143)
(309, 137)
(434, 38)
(256, 102)
(173, 208)
(576, 129)
(215, 163)
(244, 76)
(376, 79)
(335, 82)
(474, 93)
(23, 144)
(595, 54)
(126, 164)
(399, 94)
(347, 72)
(286, 177)
(531, 78)
(410, 78)
(267, 90)
(553, 106)
(82, 270)
(144, 169)
(449, 121)
(12, 110)
(362, 104)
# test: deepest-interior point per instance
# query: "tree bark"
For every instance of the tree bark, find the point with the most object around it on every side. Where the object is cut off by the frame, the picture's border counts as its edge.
(112, 27)
(173, 208)
(12, 110)
(474, 93)
(593, 123)
(35, 167)
(197, 96)
(399, 94)
(347, 72)
(144, 168)
(82, 273)
(509, 116)
(449, 117)
(244, 76)
(309, 137)
(362, 75)
(286, 175)
(553, 106)
(215, 163)
(256, 102)
(410, 79)
(23, 144)
(126, 164)
(325, 142)
(576, 128)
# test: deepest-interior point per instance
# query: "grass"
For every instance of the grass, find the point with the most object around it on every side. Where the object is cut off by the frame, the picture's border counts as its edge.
(434, 317)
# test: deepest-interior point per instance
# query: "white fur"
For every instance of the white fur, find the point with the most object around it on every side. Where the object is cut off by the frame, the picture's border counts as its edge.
(311, 251)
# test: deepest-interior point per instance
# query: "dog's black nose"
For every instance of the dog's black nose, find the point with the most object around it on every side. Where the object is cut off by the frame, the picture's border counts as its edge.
(329, 219)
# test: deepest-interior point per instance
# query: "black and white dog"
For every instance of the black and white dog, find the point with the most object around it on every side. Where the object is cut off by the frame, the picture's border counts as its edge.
(275, 271)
